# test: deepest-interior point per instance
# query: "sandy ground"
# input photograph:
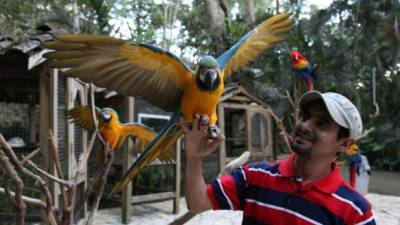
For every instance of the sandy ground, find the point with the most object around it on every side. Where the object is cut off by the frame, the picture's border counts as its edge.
(386, 209)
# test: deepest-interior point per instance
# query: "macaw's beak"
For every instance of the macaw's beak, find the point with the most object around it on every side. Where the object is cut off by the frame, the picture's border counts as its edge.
(209, 80)
(105, 116)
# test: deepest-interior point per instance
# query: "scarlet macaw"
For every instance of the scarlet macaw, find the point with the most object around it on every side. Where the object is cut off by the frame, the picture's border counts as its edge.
(160, 77)
(303, 68)
(354, 157)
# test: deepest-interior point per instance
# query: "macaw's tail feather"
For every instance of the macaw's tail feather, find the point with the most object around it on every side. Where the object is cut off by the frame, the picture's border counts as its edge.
(163, 141)
(143, 139)
(310, 85)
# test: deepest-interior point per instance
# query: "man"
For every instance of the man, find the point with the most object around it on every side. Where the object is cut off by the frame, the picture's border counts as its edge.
(307, 188)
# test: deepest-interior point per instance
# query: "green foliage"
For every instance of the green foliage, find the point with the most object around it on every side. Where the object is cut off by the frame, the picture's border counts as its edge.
(19, 16)
(159, 178)
(98, 11)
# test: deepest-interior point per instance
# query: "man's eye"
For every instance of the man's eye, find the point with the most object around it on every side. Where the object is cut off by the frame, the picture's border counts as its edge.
(323, 124)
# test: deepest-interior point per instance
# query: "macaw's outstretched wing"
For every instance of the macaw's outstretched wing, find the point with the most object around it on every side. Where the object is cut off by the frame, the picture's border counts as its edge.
(144, 135)
(82, 115)
(132, 69)
(261, 38)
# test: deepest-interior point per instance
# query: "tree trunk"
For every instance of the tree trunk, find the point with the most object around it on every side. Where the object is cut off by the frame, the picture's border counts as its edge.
(277, 6)
(250, 13)
(76, 17)
(215, 17)
(217, 12)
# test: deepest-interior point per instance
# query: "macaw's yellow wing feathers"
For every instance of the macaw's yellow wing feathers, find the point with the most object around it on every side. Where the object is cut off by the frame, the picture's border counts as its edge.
(144, 135)
(159, 148)
(82, 115)
(132, 69)
(261, 38)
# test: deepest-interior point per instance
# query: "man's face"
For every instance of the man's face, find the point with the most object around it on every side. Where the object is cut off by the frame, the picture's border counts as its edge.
(316, 132)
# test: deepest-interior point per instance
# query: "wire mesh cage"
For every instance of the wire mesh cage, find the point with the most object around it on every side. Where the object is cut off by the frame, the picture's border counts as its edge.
(19, 122)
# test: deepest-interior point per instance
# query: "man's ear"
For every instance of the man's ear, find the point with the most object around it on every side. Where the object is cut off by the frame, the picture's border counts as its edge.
(345, 143)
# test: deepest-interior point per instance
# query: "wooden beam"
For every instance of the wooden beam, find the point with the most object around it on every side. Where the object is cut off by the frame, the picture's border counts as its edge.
(242, 99)
(127, 117)
(222, 146)
(153, 197)
(45, 121)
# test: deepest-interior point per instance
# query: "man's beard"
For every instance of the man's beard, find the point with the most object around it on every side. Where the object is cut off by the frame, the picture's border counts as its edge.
(299, 149)
(302, 143)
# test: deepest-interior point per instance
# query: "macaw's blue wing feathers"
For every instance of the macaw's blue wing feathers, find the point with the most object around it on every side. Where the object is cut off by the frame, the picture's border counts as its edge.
(306, 73)
(163, 141)
(261, 38)
(129, 68)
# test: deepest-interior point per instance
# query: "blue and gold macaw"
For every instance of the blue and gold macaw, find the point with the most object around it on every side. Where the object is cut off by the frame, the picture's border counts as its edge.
(113, 132)
(160, 77)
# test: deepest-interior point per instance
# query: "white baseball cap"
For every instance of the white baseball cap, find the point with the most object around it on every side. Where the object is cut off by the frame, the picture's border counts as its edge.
(341, 109)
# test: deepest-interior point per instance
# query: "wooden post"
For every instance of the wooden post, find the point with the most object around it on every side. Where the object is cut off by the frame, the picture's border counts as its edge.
(127, 115)
(249, 137)
(44, 123)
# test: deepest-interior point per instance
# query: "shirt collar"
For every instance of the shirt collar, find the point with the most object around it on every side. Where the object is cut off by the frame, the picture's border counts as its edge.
(328, 184)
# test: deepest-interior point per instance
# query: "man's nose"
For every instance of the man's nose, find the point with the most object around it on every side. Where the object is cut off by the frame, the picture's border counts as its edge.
(306, 126)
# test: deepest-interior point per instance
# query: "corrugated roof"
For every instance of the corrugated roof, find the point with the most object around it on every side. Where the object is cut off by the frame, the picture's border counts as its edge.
(31, 46)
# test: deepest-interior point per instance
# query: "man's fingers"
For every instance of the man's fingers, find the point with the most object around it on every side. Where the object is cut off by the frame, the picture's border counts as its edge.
(195, 123)
(183, 125)
(216, 141)
(204, 120)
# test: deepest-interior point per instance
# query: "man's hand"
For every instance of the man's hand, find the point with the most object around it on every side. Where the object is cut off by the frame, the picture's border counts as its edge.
(197, 143)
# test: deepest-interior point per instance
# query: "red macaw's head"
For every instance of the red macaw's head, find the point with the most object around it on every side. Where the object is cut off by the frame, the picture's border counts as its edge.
(298, 60)
(296, 57)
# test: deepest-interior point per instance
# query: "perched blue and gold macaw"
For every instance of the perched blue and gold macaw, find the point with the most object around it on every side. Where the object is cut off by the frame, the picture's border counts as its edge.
(303, 68)
(113, 132)
(160, 77)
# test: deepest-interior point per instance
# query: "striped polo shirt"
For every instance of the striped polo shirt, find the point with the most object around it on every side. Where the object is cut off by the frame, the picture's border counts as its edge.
(271, 194)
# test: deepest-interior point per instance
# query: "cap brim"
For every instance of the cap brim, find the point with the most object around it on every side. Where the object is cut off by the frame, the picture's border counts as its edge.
(333, 109)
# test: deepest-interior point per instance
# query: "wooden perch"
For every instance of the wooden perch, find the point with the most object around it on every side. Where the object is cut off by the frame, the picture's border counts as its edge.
(16, 199)
(366, 133)
(242, 159)
(286, 137)
(295, 107)
(13, 166)
(100, 186)
(28, 200)
(30, 156)
(56, 159)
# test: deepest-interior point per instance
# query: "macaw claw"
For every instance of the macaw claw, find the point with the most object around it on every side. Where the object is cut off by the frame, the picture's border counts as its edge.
(213, 131)
(203, 120)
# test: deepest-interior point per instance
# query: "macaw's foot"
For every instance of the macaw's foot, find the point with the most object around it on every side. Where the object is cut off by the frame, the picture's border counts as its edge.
(203, 121)
(213, 131)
